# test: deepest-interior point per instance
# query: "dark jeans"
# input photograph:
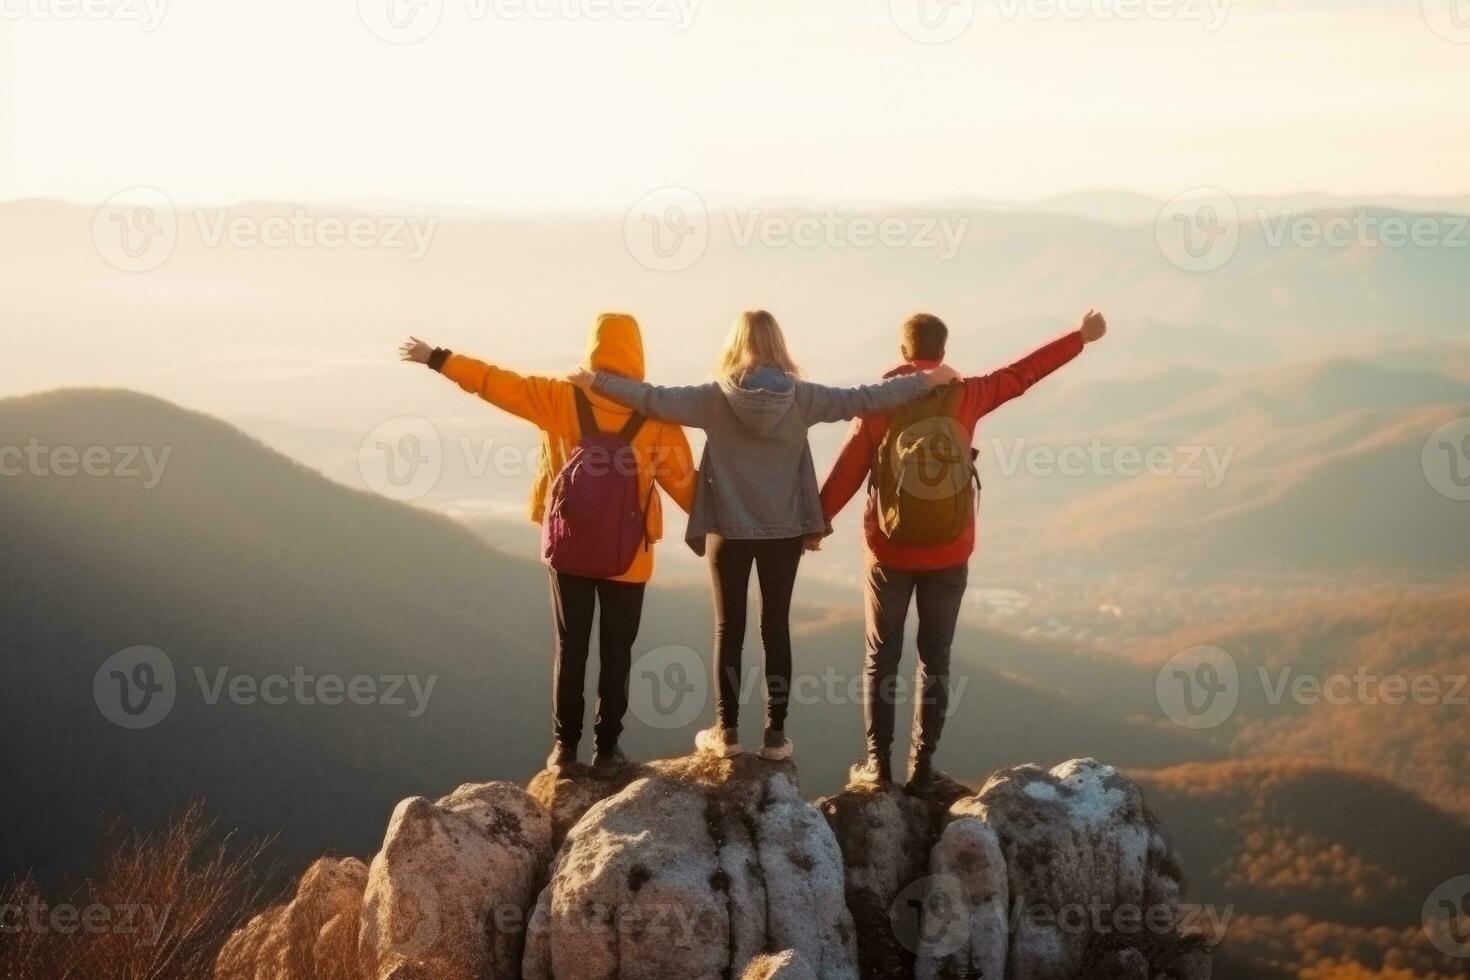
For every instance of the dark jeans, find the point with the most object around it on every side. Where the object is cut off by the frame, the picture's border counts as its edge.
(776, 561)
(939, 596)
(574, 601)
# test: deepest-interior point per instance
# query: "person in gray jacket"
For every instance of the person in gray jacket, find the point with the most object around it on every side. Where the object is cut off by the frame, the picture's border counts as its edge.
(757, 502)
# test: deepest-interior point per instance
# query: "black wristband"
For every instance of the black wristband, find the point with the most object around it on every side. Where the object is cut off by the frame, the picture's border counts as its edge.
(437, 359)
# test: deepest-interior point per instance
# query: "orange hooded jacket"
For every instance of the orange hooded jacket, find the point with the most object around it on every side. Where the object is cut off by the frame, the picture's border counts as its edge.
(663, 452)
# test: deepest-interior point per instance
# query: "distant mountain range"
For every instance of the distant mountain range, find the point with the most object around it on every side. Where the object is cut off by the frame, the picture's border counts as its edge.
(1312, 865)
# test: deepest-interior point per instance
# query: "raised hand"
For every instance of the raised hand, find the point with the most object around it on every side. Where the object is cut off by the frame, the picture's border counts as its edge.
(415, 350)
(582, 378)
(1094, 326)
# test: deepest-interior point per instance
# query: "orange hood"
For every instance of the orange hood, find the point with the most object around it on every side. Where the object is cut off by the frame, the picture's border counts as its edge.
(616, 346)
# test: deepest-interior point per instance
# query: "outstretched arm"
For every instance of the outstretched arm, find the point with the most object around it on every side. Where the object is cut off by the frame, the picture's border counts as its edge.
(531, 398)
(986, 393)
(819, 403)
(684, 406)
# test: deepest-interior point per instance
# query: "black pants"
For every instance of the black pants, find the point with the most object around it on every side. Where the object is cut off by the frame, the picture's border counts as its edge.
(574, 601)
(938, 596)
(776, 562)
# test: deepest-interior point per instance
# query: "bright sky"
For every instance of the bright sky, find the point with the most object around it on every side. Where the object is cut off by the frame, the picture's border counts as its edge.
(540, 103)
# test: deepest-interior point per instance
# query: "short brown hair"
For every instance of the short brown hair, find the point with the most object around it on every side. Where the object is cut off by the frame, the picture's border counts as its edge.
(923, 338)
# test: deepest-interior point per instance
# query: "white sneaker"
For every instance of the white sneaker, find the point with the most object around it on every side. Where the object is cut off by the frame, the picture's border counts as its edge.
(777, 747)
(724, 743)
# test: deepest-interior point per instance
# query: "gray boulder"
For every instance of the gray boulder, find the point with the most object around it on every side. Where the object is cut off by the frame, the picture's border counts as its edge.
(694, 871)
(1059, 873)
(448, 895)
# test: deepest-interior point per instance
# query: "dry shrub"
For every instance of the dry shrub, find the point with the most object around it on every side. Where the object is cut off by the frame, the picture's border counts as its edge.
(160, 909)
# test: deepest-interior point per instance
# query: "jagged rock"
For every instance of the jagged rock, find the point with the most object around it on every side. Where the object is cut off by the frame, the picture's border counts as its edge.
(1085, 868)
(784, 966)
(886, 836)
(312, 937)
(570, 795)
(694, 871)
(447, 895)
(965, 901)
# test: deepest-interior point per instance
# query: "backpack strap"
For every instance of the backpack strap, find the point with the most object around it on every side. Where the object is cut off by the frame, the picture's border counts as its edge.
(631, 427)
(585, 419)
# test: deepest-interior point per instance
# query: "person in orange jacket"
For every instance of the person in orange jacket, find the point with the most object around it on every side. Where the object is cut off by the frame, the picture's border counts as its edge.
(663, 455)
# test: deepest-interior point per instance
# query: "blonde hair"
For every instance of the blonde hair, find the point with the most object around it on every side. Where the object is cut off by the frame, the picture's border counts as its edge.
(755, 340)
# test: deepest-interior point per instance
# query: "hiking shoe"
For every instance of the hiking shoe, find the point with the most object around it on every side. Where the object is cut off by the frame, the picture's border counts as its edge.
(873, 772)
(609, 759)
(562, 757)
(924, 779)
(723, 742)
(776, 747)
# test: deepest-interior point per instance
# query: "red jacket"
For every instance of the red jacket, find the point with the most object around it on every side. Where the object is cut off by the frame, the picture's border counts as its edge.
(983, 395)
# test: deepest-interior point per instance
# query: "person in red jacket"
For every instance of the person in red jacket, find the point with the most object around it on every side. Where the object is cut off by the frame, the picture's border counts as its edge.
(934, 576)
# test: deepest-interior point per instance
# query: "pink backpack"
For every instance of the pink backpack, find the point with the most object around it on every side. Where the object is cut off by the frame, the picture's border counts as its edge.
(596, 523)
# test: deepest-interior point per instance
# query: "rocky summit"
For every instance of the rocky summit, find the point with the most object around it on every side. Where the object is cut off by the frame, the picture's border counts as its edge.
(712, 869)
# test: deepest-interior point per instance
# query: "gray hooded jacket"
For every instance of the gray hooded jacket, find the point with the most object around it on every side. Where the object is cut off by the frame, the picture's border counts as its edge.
(757, 479)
